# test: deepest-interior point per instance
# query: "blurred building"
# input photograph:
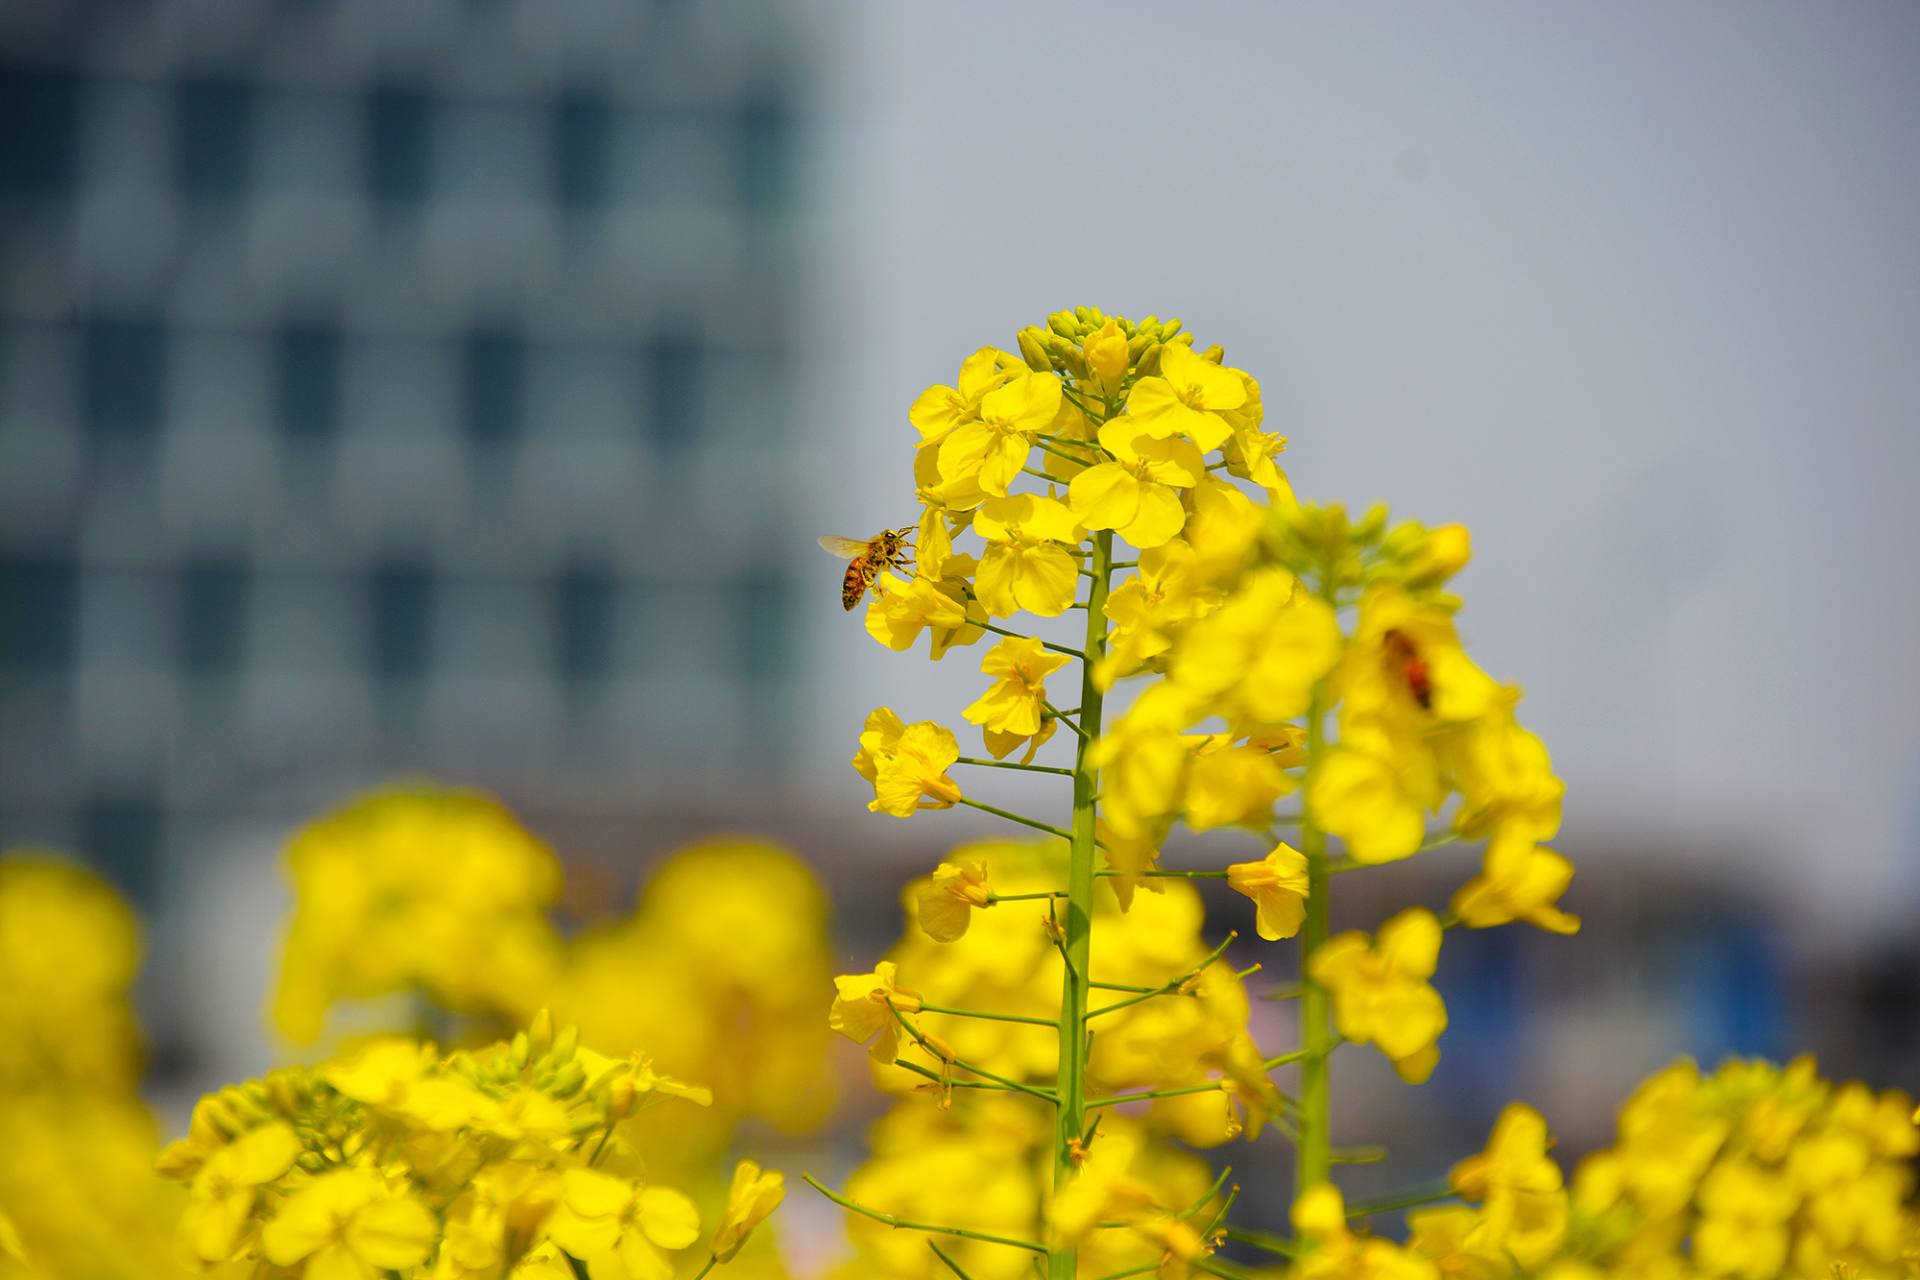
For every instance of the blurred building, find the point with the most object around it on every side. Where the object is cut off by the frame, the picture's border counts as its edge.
(385, 386)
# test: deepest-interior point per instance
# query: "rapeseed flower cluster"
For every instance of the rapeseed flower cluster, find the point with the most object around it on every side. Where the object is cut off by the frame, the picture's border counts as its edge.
(1756, 1171)
(1236, 661)
(423, 890)
(518, 1159)
(444, 895)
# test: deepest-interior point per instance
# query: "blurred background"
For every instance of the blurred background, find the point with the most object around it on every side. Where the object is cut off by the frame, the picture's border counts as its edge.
(455, 389)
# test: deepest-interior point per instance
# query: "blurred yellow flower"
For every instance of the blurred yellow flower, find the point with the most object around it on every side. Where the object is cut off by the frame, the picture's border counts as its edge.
(1518, 880)
(1335, 1253)
(224, 1191)
(65, 936)
(417, 888)
(349, 1225)
(1380, 990)
(750, 1199)
(622, 1230)
(1524, 1203)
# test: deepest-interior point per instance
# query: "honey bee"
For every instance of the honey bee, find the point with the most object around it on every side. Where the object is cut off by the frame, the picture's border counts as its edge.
(867, 559)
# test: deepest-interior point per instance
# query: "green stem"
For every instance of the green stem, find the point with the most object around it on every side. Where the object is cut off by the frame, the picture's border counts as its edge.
(1065, 717)
(1014, 817)
(1077, 947)
(1409, 1198)
(712, 1262)
(1025, 897)
(1044, 644)
(941, 1254)
(935, 1076)
(1172, 984)
(962, 1063)
(1168, 875)
(1264, 1240)
(908, 1224)
(1313, 1160)
(982, 1013)
(1013, 764)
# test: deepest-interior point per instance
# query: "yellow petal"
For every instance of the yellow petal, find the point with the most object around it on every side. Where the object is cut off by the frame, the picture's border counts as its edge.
(1106, 496)
(669, 1217)
(1160, 517)
(393, 1234)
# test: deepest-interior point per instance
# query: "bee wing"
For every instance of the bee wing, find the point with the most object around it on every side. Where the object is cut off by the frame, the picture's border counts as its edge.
(843, 548)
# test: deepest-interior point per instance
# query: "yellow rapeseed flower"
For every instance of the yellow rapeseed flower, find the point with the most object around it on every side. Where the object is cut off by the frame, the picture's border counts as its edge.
(1335, 1253)
(945, 905)
(1148, 609)
(1136, 493)
(1518, 880)
(622, 1230)
(1523, 1197)
(939, 410)
(1232, 785)
(1187, 397)
(1278, 886)
(907, 764)
(752, 1196)
(863, 1009)
(1380, 990)
(349, 1225)
(991, 449)
(225, 1189)
(1014, 709)
(1027, 564)
(1374, 790)
(899, 612)
(1258, 656)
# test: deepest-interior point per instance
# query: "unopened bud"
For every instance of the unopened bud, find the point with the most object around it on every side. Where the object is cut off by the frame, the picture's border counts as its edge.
(1449, 548)
(1064, 324)
(1169, 328)
(1033, 351)
(1148, 362)
(1215, 353)
(1107, 356)
(620, 1098)
(540, 1032)
(1066, 355)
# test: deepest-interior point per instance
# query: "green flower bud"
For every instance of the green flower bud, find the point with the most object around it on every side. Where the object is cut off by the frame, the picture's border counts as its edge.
(1148, 362)
(1215, 353)
(1064, 324)
(1034, 351)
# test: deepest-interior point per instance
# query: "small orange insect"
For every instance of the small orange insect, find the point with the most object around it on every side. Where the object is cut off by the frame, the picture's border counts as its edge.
(1403, 657)
(867, 559)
